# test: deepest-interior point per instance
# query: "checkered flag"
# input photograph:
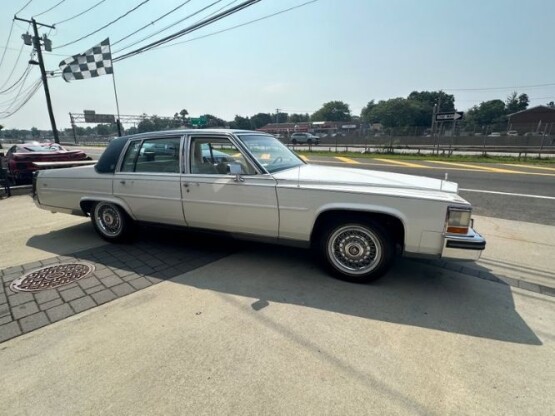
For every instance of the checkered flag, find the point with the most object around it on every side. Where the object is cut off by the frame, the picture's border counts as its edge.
(93, 63)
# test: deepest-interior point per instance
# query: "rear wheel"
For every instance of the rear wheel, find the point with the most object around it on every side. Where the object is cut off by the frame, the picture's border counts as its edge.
(309, 141)
(294, 141)
(111, 222)
(357, 251)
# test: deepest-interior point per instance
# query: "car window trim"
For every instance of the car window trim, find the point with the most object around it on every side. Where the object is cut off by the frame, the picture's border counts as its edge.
(234, 140)
(142, 140)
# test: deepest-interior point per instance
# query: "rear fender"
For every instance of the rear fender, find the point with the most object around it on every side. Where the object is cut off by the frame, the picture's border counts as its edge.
(87, 201)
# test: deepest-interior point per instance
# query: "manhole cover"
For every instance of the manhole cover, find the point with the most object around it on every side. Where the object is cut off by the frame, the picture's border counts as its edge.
(51, 277)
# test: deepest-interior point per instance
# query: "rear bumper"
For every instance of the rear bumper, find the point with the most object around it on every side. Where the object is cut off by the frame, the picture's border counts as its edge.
(463, 247)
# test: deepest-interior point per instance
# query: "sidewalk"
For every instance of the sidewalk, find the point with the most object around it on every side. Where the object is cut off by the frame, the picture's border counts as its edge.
(519, 254)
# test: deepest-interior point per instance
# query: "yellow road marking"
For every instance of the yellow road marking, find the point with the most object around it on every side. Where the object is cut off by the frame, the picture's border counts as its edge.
(529, 166)
(347, 160)
(477, 167)
(306, 159)
(236, 155)
(407, 164)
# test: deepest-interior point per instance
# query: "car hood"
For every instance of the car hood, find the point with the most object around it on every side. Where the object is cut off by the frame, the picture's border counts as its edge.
(330, 177)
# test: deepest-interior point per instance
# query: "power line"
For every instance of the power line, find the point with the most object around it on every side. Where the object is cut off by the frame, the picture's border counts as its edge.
(14, 66)
(14, 98)
(11, 87)
(47, 10)
(167, 27)
(151, 23)
(26, 4)
(79, 14)
(242, 24)
(25, 101)
(105, 26)
(500, 88)
(189, 29)
(7, 43)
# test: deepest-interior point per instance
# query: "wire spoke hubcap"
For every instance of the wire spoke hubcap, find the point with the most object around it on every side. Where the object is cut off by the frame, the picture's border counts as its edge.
(354, 249)
(108, 219)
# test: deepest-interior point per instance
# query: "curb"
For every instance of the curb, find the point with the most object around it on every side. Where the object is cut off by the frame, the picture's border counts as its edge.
(484, 275)
(19, 190)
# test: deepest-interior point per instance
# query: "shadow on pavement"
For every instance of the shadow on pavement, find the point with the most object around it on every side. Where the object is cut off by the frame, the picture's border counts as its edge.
(412, 293)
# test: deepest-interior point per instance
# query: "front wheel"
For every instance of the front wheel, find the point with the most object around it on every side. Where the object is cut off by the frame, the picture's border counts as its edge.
(111, 222)
(358, 252)
(294, 141)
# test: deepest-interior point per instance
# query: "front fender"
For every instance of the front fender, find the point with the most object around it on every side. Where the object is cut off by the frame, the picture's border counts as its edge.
(365, 208)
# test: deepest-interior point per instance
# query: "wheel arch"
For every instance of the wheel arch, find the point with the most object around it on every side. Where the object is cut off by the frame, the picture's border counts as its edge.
(87, 202)
(391, 220)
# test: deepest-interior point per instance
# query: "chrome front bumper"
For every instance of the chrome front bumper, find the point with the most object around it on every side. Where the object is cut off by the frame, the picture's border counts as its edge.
(463, 247)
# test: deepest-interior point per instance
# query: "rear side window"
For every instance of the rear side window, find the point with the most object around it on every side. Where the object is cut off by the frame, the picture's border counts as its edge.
(153, 156)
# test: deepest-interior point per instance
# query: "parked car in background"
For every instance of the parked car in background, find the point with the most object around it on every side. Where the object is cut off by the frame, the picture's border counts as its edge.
(21, 158)
(357, 220)
(494, 134)
(512, 133)
(304, 138)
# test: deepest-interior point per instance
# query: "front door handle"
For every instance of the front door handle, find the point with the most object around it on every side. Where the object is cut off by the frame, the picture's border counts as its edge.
(122, 182)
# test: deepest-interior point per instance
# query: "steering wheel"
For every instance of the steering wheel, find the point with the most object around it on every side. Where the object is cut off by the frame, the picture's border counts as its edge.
(278, 159)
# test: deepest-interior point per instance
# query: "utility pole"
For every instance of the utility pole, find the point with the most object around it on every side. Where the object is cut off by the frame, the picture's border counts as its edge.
(277, 115)
(37, 45)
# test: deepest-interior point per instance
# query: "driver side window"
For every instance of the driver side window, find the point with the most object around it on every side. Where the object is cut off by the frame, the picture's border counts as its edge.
(212, 156)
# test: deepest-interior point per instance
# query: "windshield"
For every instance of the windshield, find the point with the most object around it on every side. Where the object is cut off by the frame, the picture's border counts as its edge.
(270, 152)
(44, 148)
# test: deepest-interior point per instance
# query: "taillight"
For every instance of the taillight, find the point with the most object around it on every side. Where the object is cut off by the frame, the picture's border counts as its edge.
(458, 220)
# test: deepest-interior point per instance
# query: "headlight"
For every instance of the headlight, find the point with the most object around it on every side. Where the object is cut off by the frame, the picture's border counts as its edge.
(458, 220)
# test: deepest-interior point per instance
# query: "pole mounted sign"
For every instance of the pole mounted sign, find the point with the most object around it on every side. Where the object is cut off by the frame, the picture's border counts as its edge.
(452, 116)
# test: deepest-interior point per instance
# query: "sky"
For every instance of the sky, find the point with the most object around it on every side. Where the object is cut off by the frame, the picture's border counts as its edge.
(349, 50)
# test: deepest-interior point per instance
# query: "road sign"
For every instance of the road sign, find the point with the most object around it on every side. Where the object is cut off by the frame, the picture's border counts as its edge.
(454, 115)
(198, 122)
(92, 117)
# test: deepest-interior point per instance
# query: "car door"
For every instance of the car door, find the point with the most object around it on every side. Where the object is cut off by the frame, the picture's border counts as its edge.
(215, 199)
(148, 179)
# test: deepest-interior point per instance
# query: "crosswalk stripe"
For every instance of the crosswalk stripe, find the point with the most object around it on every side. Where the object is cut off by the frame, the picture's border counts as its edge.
(347, 160)
(407, 164)
(529, 167)
(306, 159)
(477, 167)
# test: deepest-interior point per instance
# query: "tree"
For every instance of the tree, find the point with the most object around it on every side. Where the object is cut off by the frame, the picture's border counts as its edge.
(35, 132)
(213, 121)
(488, 112)
(365, 114)
(281, 117)
(430, 98)
(332, 111)
(261, 119)
(515, 102)
(398, 112)
(298, 118)
(551, 104)
(103, 129)
(242, 123)
(1, 127)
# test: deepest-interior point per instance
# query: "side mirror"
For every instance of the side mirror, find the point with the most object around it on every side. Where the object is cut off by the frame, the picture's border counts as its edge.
(236, 169)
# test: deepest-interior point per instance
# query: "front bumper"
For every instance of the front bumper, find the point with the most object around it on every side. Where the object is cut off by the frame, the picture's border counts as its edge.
(463, 247)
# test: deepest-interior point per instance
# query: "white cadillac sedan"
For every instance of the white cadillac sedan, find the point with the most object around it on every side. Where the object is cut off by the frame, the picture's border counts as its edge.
(250, 185)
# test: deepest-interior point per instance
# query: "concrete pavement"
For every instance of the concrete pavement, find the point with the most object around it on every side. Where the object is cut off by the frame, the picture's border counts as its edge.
(264, 331)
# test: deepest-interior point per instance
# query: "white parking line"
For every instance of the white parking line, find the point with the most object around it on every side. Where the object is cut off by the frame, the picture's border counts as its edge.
(508, 194)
